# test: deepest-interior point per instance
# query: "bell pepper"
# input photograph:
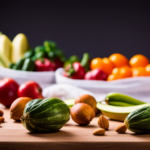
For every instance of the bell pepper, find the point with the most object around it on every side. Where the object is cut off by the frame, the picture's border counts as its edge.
(75, 71)
(96, 74)
(44, 65)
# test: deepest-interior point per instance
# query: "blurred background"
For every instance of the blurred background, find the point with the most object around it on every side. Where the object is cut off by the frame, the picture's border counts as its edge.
(100, 28)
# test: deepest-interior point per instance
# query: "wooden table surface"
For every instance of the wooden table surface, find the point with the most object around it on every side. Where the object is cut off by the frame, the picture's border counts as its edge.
(13, 135)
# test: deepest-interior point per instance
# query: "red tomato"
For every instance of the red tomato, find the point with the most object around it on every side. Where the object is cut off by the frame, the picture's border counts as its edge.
(8, 91)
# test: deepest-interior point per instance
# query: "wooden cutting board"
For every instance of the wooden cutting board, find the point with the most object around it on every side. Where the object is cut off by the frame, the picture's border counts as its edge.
(13, 135)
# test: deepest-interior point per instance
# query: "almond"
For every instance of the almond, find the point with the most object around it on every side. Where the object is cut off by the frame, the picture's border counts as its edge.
(121, 128)
(1, 113)
(99, 131)
(103, 122)
(1, 119)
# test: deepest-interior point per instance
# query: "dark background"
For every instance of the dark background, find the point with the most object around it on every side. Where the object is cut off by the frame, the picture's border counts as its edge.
(100, 28)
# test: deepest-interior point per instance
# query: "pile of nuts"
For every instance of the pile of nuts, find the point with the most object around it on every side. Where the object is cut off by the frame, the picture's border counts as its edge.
(104, 125)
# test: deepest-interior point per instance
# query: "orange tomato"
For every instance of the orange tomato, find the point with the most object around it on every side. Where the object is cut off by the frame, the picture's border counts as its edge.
(105, 64)
(112, 77)
(141, 71)
(148, 69)
(138, 61)
(120, 73)
(119, 60)
(125, 72)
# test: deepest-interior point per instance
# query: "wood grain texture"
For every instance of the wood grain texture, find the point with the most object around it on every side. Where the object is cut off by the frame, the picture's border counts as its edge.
(72, 136)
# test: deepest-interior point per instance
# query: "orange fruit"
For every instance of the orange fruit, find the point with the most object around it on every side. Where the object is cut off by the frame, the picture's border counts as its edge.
(141, 71)
(138, 61)
(122, 72)
(119, 60)
(105, 64)
(112, 77)
(148, 69)
(125, 72)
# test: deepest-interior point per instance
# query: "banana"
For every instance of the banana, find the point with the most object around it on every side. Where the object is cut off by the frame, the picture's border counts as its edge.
(118, 113)
(5, 47)
(19, 46)
(118, 99)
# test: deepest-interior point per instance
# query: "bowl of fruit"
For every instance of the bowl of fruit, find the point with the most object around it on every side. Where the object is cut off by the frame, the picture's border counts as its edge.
(22, 63)
(110, 74)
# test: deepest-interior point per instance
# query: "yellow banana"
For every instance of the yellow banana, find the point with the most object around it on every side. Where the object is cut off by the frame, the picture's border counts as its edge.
(19, 46)
(5, 47)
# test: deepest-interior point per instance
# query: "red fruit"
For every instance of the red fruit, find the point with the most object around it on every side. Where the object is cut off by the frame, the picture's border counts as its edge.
(79, 71)
(58, 63)
(30, 89)
(96, 74)
(44, 65)
(8, 91)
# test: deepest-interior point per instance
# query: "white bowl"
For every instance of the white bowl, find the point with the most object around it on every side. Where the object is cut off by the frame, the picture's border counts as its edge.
(42, 78)
(138, 87)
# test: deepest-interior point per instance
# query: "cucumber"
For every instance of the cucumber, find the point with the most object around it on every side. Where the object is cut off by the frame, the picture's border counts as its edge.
(19, 64)
(29, 54)
(28, 65)
(139, 120)
(117, 98)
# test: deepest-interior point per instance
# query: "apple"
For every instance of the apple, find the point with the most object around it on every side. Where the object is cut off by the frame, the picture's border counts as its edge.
(30, 89)
(96, 74)
(8, 91)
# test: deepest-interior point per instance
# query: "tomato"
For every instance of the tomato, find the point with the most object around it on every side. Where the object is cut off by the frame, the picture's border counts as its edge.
(105, 64)
(30, 89)
(119, 60)
(148, 69)
(8, 91)
(120, 73)
(139, 61)
(141, 71)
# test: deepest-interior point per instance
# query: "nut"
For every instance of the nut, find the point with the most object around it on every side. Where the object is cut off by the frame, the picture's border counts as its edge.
(1, 113)
(121, 128)
(2, 119)
(99, 131)
(103, 122)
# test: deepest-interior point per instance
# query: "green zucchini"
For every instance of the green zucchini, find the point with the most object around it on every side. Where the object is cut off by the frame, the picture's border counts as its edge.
(139, 120)
(28, 65)
(19, 64)
(47, 115)
(29, 54)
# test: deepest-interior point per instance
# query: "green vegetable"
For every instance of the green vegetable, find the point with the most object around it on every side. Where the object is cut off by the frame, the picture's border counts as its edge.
(11, 65)
(118, 99)
(139, 120)
(19, 64)
(73, 59)
(39, 49)
(29, 54)
(40, 54)
(28, 65)
(85, 62)
(47, 115)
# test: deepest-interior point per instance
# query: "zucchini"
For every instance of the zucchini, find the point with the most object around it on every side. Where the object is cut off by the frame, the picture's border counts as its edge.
(28, 65)
(19, 64)
(139, 120)
(47, 115)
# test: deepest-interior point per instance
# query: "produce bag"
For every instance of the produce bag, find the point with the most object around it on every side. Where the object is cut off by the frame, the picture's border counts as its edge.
(138, 87)
(44, 79)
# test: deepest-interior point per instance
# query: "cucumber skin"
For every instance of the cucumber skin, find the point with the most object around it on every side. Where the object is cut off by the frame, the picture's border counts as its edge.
(118, 97)
(139, 120)
(47, 115)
